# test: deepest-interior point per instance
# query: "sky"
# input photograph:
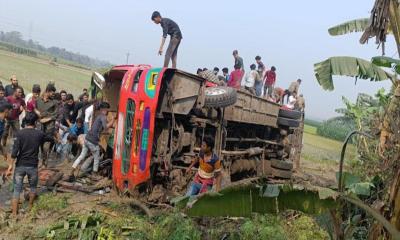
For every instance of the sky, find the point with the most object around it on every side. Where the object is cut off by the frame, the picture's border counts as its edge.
(291, 36)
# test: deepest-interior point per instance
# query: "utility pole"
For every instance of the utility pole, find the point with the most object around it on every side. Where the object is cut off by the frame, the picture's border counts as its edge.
(127, 57)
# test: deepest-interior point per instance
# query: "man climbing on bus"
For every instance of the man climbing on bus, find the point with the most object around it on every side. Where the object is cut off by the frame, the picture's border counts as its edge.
(169, 28)
(209, 171)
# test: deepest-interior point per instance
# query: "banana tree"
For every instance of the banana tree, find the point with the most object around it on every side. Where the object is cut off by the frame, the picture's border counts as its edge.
(384, 14)
(384, 19)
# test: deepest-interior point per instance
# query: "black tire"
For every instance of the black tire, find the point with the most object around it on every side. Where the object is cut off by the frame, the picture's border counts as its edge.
(281, 164)
(285, 174)
(288, 122)
(220, 97)
(292, 114)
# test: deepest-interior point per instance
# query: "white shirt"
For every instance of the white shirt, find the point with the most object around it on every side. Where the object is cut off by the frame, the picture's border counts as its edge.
(28, 97)
(89, 114)
(250, 78)
(292, 102)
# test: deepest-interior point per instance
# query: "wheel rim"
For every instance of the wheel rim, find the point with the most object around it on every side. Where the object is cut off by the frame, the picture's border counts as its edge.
(215, 91)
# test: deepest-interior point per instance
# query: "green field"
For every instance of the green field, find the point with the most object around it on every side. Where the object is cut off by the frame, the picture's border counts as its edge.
(32, 70)
(323, 150)
(310, 129)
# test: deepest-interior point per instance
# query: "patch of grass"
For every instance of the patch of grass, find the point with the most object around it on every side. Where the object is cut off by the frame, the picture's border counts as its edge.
(262, 227)
(175, 226)
(323, 150)
(32, 70)
(304, 228)
(267, 226)
(310, 129)
(50, 202)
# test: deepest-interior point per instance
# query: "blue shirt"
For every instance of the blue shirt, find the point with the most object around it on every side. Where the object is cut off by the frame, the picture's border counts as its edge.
(227, 78)
(78, 131)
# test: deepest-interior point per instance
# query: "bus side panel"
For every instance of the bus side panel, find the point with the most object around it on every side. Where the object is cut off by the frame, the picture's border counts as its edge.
(148, 92)
(118, 177)
(145, 100)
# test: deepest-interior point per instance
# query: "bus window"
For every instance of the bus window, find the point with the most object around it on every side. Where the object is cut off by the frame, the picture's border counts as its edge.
(126, 155)
(144, 139)
(136, 81)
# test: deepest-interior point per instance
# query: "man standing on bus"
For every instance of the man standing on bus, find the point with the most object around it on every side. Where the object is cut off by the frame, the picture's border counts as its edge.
(169, 28)
(209, 172)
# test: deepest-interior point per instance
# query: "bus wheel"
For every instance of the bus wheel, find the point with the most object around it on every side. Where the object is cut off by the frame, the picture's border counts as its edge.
(220, 96)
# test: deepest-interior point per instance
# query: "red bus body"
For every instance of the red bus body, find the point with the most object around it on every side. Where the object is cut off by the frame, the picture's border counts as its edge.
(143, 95)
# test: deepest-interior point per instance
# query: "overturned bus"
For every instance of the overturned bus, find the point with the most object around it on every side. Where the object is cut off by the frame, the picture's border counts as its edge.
(163, 114)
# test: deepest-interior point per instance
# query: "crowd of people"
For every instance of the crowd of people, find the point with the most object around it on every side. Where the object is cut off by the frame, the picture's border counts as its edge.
(44, 122)
(257, 80)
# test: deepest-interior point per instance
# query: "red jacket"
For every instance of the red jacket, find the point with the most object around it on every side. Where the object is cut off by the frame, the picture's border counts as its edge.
(235, 79)
(270, 78)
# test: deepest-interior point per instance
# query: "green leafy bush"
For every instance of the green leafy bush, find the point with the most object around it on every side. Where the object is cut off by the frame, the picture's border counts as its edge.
(336, 128)
(262, 227)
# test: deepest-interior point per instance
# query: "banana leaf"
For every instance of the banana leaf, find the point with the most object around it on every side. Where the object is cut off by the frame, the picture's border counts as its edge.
(243, 200)
(383, 61)
(356, 25)
(347, 66)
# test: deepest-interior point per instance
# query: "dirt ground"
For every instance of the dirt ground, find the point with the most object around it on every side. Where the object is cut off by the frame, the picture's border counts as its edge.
(318, 174)
(55, 207)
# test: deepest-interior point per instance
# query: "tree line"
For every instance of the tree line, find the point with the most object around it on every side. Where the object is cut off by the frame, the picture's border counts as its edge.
(13, 41)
